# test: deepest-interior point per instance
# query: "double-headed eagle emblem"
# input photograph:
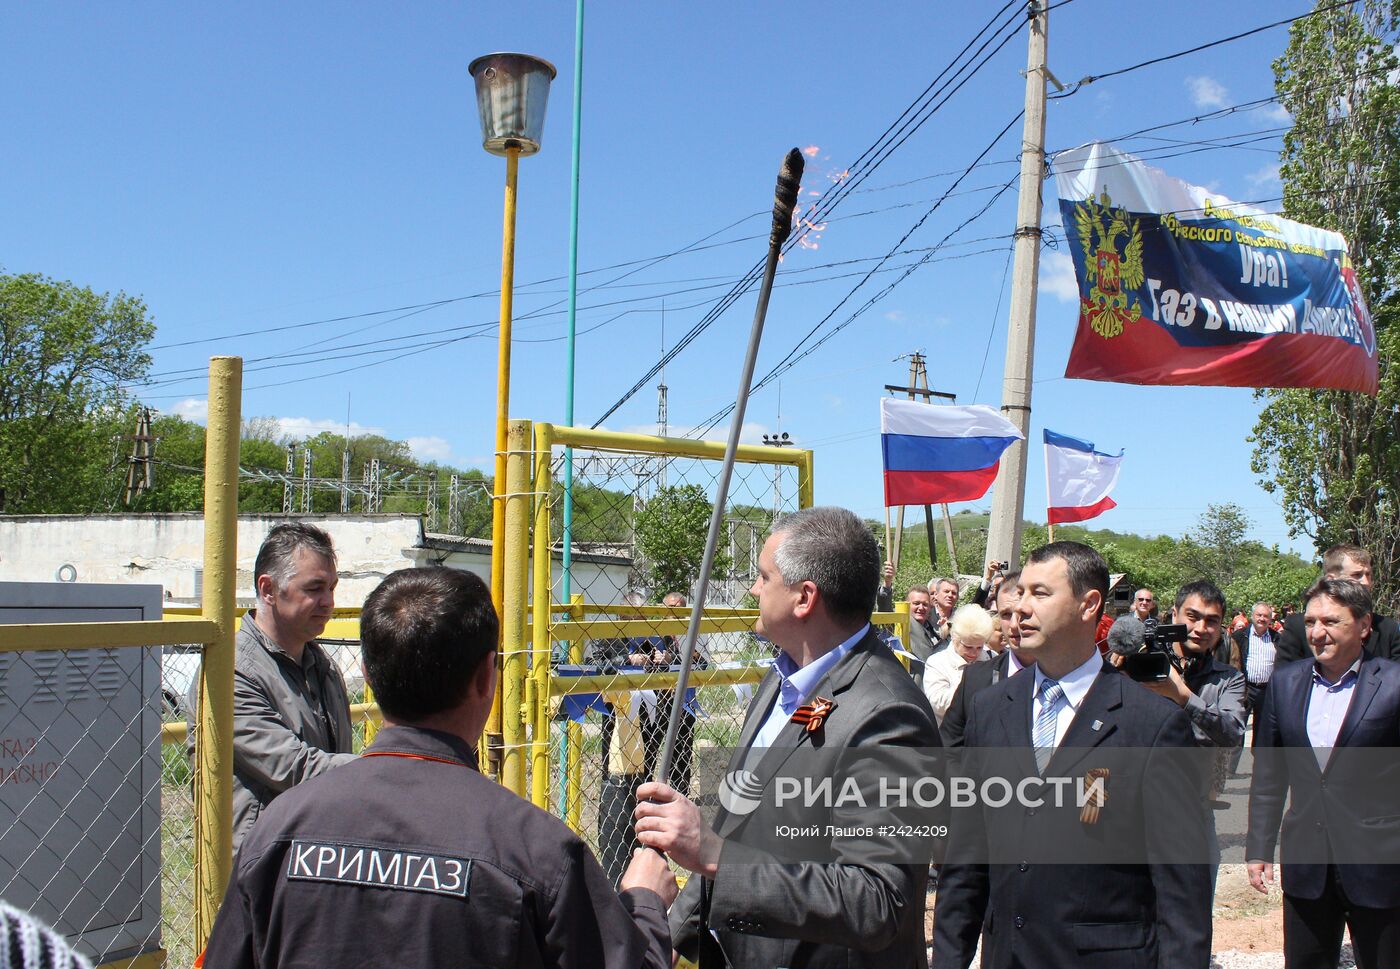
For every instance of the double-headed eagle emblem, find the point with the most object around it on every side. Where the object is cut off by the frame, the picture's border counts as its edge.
(1106, 307)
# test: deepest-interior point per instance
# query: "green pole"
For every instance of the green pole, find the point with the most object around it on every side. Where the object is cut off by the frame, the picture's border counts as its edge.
(565, 591)
(566, 585)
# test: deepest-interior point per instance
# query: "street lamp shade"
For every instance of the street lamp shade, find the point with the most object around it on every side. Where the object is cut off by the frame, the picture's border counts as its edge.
(511, 93)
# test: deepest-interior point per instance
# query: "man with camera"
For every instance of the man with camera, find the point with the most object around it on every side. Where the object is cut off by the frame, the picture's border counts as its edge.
(1211, 693)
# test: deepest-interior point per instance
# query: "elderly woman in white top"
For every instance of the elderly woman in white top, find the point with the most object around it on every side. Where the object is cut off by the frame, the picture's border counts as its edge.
(971, 628)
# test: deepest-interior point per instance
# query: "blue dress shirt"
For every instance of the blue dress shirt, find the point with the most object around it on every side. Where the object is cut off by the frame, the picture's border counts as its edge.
(795, 685)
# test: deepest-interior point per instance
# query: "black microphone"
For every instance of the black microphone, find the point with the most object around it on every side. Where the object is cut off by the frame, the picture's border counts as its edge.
(1127, 636)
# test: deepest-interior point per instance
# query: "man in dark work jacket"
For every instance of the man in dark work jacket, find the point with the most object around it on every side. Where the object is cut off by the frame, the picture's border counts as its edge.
(409, 856)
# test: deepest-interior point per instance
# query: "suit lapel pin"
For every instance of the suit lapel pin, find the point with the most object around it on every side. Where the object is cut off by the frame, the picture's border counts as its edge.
(813, 715)
(1096, 725)
(1095, 783)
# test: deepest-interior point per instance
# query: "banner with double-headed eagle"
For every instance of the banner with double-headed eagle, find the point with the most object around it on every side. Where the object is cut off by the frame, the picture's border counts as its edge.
(1178, 285)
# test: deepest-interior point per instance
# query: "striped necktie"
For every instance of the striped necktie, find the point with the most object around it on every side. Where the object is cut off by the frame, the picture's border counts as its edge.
(1050, 694)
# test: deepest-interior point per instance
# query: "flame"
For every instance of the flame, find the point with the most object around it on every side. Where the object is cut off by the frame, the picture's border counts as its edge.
(811, 151)
(803, 221)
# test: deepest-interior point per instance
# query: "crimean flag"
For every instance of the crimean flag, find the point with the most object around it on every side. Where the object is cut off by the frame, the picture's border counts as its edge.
(1078, 479)
(937, 455)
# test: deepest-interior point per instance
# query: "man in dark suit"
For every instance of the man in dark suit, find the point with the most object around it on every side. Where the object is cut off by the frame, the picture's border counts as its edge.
(979, 676)
(1341, 562)
(1124, 884)
(1326, 740)
(753, 905)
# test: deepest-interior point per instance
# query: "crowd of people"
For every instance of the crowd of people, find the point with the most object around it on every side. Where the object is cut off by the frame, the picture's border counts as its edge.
(407, 855)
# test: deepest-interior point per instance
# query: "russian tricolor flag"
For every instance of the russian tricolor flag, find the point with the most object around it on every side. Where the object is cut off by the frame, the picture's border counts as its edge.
(938, 455)
(1077, 479)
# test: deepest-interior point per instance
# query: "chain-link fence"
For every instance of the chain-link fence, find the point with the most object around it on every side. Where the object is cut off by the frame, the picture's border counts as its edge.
(80, 843)
(96, 810)
(618, 608)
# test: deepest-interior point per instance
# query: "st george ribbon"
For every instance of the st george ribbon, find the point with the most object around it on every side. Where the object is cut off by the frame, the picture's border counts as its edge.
(1179, 285)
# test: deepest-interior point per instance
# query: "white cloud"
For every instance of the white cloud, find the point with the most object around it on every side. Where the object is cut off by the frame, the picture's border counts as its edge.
(192, 410)
(430, 448)
(299, 428)
(1277, 114)
(1207, 92)
(895, 316)
(1265, 179)
(1057, 277)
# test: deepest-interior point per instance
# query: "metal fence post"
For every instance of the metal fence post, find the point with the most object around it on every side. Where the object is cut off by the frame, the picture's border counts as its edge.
(514, 600)
(573, 732)
(540, 657)
(806, 484)
(213, 819)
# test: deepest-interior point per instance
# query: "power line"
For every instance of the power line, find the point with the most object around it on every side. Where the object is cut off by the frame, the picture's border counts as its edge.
(834, 195)
(797, 354)
(414, 349)
(1091, 78)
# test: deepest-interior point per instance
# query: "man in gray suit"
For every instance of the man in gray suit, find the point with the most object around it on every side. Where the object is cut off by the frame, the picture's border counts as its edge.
(845, 901)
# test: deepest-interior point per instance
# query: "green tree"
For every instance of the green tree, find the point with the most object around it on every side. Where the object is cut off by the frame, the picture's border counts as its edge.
(1332, 456)
(67, 355)
(670, 531)
(1216, 548)
(1278, 582)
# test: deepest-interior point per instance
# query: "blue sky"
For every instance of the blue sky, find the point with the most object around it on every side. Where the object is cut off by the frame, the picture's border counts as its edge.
(244, 167)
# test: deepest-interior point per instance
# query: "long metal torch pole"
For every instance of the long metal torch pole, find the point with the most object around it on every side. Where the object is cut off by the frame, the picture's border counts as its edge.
(789, 180)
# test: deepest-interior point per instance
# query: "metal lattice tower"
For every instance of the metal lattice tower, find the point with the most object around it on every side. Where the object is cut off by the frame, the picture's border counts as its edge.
(454, 507)
(306, 481)
(345, 480)
(287, 481)
(431, 509)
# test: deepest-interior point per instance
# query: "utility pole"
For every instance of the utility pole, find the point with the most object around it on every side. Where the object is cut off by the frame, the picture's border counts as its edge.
(139, 477)
(1009, 492)
(918, 389)
(778, 440)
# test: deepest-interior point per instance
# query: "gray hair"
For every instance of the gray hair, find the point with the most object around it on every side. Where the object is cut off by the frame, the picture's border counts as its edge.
(834, 549)
(278, 555)
(934, 583)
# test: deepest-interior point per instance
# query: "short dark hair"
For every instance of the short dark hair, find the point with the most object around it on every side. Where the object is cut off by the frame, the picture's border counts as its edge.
(423, 633)
(1008, 581)
(277, 556)
(1345, 592)
(834, 549)
(1086, 567)
(1205, 589)
(1333, 557)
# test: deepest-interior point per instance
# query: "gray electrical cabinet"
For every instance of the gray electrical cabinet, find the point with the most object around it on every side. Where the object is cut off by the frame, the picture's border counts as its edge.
(80, 771)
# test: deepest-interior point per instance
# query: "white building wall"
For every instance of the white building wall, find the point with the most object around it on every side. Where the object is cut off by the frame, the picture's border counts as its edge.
(168, 549)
